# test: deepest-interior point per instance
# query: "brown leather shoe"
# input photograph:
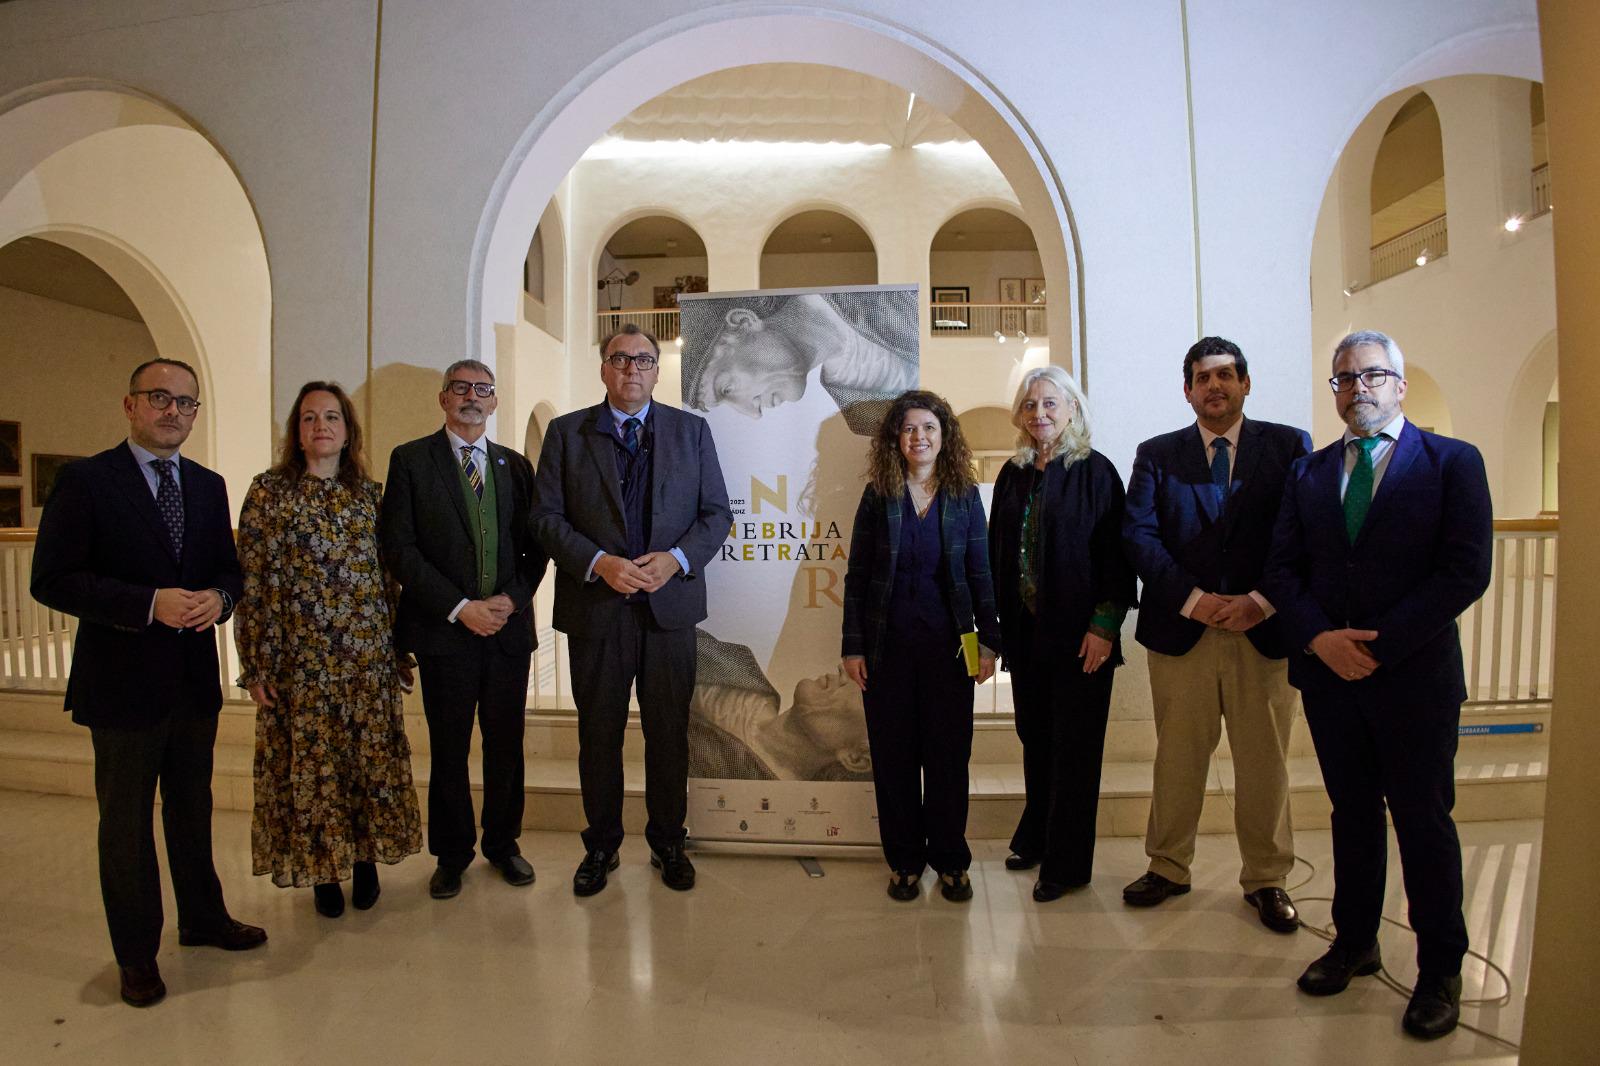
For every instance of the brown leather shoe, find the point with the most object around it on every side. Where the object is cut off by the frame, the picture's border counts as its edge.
(232, 936)
(1276, 909)
(142, 985)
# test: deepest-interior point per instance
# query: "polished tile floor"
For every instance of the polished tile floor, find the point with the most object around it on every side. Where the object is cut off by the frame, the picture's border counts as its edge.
(760, 964)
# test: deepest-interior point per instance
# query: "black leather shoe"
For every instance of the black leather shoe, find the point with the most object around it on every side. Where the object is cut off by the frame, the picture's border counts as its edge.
(1435, 1007)
(234, 936)
(445, 882)
(516, 870)
(904, 885)
(142, 985)
(1151, 889)
(1276, 909)
(955, 887)
(1020, 862)
(329, 899)
(364, 886)
(677, 872)
(591, 875)
(1049, 891)
(1331, 974)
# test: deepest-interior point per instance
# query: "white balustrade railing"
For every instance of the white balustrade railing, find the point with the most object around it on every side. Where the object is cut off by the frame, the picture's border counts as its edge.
(1507, 637)
(985, 320)
(1541, 189)
(662, 322)
(1400, 254)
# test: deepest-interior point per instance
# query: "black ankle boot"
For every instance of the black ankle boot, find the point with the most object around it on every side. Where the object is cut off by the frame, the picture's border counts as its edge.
(329, 899)
(364, 886)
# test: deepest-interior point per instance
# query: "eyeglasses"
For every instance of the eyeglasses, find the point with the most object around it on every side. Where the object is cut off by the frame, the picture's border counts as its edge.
(483, 388)
(161, 399)
(1372, 379)
(620, 361)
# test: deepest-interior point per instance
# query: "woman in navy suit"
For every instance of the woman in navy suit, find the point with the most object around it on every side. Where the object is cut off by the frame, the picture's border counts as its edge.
(1063, 586)
(917, 583)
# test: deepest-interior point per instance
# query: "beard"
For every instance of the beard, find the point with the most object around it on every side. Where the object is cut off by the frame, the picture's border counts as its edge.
(1367, 416)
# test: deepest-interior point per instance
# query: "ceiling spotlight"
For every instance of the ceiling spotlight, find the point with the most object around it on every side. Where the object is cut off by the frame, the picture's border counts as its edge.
(1422, 260)
(1513, 223)
(1021, 336)
(1000, 338)
(672, 242)
(826, 238)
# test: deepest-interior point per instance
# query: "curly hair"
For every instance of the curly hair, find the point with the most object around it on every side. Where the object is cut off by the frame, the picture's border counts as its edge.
(886, 467)
(352, 463)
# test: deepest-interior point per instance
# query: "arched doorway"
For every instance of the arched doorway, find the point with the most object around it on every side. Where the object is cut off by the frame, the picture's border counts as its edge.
(702, 43)
(130, 185)
(818, 247)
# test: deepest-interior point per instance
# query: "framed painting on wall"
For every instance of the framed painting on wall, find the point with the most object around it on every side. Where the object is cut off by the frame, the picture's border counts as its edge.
(45, 469)
(10, 449)
(1033, 293)
(1010, 293)
(10, 508)
(953, 320)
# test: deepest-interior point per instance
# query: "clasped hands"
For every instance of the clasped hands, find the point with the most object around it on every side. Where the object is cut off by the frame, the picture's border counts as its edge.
(1233, 613)
(1345, 652)
(644, 574)
(486, 617)
(182, 609)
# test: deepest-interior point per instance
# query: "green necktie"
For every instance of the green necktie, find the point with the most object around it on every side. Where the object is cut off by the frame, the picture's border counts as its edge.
(1358, 494)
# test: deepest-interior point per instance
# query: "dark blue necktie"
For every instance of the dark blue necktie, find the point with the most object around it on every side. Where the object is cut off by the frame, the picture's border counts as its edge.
(169, 501)
(1219, 469)
(630, 436)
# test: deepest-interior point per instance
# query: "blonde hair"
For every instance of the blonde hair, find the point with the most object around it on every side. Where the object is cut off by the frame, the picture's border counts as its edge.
(1072, 442)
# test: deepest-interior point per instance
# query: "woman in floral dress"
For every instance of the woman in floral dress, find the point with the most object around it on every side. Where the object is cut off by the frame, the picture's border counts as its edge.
(333, 790)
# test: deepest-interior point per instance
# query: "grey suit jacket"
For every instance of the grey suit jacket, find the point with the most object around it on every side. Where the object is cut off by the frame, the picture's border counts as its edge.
(578, 511)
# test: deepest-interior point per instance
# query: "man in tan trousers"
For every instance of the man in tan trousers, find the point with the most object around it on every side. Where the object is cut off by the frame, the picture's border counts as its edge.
(1200, 511)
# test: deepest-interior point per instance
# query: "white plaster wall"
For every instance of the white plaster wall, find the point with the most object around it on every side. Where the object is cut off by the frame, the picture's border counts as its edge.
(66, 370)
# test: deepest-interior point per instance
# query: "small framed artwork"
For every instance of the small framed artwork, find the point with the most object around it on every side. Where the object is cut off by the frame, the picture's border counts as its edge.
(45, 469)
(10, 508)
(1010, 293)
(955, 319)
(1033, 295)
(10, 449)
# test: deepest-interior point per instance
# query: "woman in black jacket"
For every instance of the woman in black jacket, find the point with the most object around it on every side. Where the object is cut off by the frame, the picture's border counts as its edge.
(919, 627)
(1063, 586)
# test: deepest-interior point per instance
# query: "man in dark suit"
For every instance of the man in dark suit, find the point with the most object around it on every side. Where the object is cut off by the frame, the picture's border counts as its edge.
(137, 543)
(631, 508)
(1198, 523)
(1384, 538)
(455, 534)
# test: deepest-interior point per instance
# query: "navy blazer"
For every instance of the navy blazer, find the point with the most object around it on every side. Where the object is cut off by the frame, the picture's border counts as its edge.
(1081, 564)
(1179, 539)
(875, 552)
(102, 553)
(428, 545)
(578, 511)
(1422, 557)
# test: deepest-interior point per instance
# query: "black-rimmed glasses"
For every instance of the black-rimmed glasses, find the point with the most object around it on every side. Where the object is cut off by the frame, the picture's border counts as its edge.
(483, 388)
(1372, 379)
(161, 399)
(620, 361)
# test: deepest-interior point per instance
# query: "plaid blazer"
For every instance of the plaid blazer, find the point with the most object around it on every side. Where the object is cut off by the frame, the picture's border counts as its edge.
(874, 553)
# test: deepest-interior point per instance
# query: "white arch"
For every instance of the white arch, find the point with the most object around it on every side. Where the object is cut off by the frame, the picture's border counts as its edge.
(702, 42)
(833, 207)
(128, 183)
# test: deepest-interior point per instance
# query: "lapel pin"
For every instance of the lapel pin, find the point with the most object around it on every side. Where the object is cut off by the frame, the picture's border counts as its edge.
(502, 462)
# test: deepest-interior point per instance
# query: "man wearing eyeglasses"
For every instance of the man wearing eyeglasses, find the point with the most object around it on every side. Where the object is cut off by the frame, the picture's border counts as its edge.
(631, 508)
(454, 528)
(1384, 538)
(137, 542)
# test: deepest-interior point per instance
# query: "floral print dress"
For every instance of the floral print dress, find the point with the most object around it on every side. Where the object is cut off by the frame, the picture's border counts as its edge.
(332, 765)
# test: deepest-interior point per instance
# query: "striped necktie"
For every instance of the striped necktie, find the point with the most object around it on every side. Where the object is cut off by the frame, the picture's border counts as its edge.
(630, 436)
(470, 468)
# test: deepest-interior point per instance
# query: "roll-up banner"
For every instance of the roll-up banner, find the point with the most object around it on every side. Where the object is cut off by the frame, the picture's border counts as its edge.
(793, 383)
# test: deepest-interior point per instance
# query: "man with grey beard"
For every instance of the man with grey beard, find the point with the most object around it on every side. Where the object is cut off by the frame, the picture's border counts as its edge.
(1383, 539)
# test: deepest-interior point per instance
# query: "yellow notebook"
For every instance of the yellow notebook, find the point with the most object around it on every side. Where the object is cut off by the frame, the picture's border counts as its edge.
(969, 651)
